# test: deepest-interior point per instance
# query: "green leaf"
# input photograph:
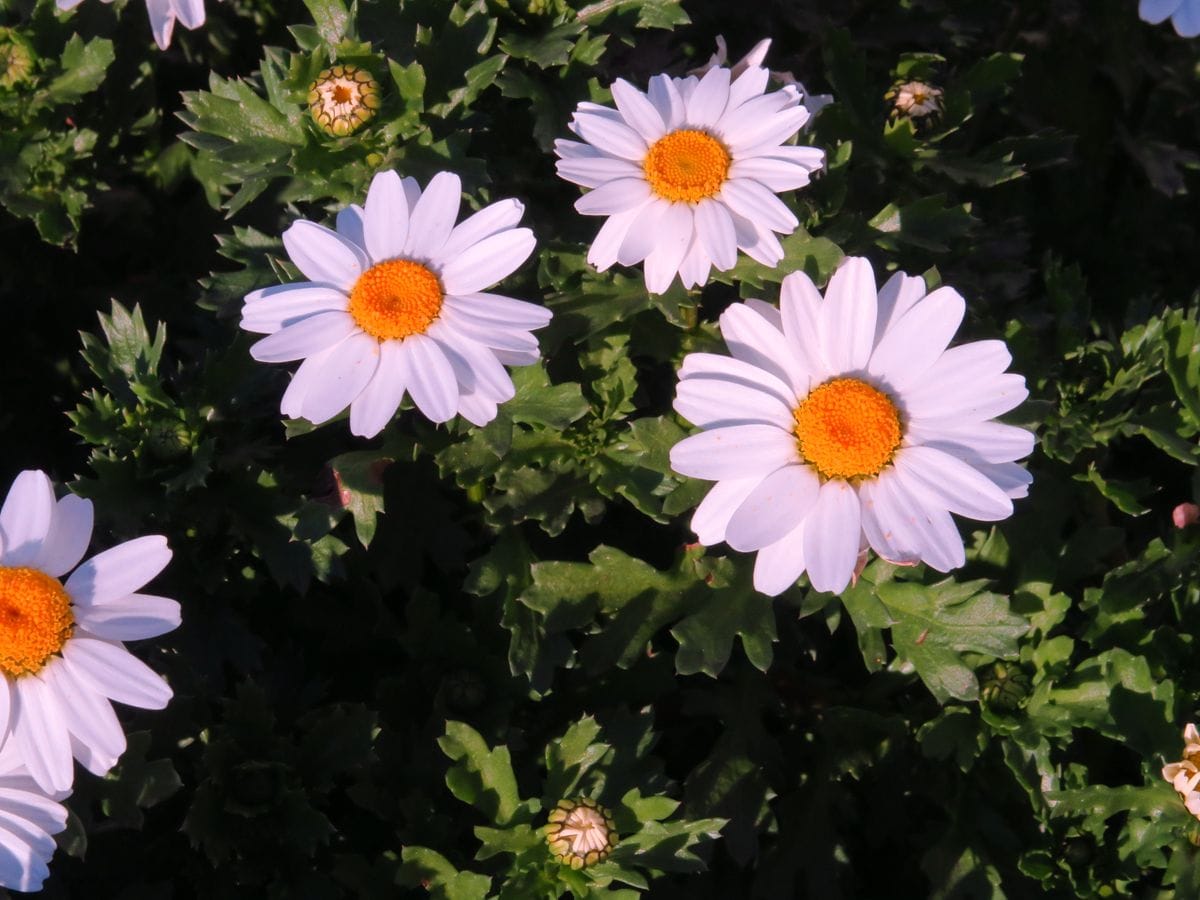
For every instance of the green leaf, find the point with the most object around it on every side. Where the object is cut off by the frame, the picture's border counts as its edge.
(358, 479)
(83, 67)
(730, 608)
(331, 18)
(428, 869)
(538, 402)
(481, 776)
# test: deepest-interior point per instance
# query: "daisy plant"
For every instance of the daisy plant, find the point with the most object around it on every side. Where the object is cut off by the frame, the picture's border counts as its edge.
(843, 422)
(62, 656)
(688, 172)
(396, 305)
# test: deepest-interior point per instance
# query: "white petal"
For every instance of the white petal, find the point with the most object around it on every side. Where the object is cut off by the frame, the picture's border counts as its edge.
(665, 96)
(385, 218)
(662, 264)
(1009, 477)
(310, 372)
(118, 571)
(712, 516)
(760, 244)
(112, 671)
(26, 518)
(707, 102)
(189, 12)
(39, 728)
(992, 442)
(488, 221)
(778, 566)
(695, 265)
(345, 373)
(349, 224)
(133, 617)
(966, 401)
(31, 805)
(964, 365)
(718, 402)
(429, 377)
(269, 310)
(614, 197)
(750, 84)
(740, 451)
(1155, 11)
(800, 307)
(644, 232)
(918, 339)
(6, 701)
(848, 316)
(742, 124)
(433, 217)
(752, 339)
(476, 409)
(371, 411)
(832, 535)
(774, 508)
(604, 250)
(90, 719)
(162, 21)
(475, 366)
(496, 309)
(768, 132)
(921, 531)
(882, 521)
(774, 174)
(70, 534)
(751, 200)
(491, 334)
(307, 337)
(951, 484)
(714, 225)
(897, 296)
(324, 255)
(591, 172)
(637, 111)
(1186, 20)
(712, 365)
(612, 137)
(488, 261)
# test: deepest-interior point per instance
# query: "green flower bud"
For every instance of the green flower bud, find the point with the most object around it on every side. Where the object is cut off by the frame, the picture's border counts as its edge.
(580, 833)
(343, 99)
(17, 59)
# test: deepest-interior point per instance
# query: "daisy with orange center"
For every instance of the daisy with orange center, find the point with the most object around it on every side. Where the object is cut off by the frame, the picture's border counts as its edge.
(1184, 775)
(843, 422)
(688, 172)
(62, 656)
(396, 306)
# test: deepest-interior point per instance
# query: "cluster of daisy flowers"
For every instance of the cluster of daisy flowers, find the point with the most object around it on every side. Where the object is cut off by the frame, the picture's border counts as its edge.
(63, 661)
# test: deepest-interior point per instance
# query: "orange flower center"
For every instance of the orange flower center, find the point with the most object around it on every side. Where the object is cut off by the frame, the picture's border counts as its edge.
(35, 620)
(847, 429)
(686, 165)
(395, 299)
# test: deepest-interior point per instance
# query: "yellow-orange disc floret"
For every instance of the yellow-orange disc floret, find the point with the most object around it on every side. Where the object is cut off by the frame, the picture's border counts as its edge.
(847, 429)
(35, 620)
(686, 165)
(396, 299)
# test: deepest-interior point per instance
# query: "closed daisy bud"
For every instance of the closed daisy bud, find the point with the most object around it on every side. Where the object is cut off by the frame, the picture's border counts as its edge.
(1185, 514)
(343, 99)
(1185, 774)
(580, 833)
(916, 99)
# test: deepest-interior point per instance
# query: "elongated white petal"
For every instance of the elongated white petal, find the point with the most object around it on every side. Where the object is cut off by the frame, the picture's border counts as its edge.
(429, 377)
(162, 21)
(714, 225)
(638, 111)
(189, 12)
(752, 339)
(593, 171)
(831, 537)
(712, 516)
(26, 518)
(752, 200)
(488, 261)
(612, 137)
(385, 217)
(778, 566)
(778, 504)
(663, 263)
(496, 309)
(324, 255)
(475, 365)
(717, 402)
(493, 219)
(606, 247)
(69, 536)
(90, 719)
(614, 197)
(644, 232)
(119, 571)
(343, 376)
(114, 672)
(372, 409)
(848, 316)
(269, 310)
(1156, 11)
(927, 528)
(897, 296)
(349, 224)
(800, 307)
(307, 337)
(39, 728)
(707, 102)
(916, 341)
(992, 442)
(738, 451)
(952, 484)
(710, 365)
(133, 617)
(433, 217)
(667, 101)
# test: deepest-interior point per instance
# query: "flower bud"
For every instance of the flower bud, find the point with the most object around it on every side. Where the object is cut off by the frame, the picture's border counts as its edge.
(343, 99)
(580, 833)
(916, 99)
(1185, 514)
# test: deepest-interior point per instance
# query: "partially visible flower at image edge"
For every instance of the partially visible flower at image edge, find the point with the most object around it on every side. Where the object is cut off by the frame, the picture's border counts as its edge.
(580, 833)
(688, 172)
(1184, 15)
(1184, 775)
(396, 305)
(844, 422)
(163, 15)
(28, 820)
(62, 659)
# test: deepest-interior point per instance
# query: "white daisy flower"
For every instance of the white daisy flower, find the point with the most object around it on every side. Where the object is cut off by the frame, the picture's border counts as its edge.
(688, 173)
(845, 422)
(1184, 14)
(61, 656)
(917, 99)
(395, 305)
(28, 819)
(1185, 774)
(163, 15)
